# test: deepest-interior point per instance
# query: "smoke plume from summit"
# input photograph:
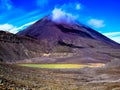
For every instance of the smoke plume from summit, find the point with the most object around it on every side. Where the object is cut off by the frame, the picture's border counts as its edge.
(60, 16)
(67, 13)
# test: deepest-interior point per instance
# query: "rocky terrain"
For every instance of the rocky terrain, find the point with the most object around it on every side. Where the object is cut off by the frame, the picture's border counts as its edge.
(14, 48)
(14, 77)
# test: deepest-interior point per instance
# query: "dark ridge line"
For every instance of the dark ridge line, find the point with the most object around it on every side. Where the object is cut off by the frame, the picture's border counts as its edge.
(69, 45)
(78, 32)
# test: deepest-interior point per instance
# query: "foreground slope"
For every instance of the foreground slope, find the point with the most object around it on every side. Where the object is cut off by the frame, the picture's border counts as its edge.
(14, 77)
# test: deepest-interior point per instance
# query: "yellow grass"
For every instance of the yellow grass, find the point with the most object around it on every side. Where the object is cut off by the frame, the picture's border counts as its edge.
(61, 66)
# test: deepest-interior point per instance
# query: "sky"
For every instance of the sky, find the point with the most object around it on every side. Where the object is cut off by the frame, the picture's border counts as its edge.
(101, 15)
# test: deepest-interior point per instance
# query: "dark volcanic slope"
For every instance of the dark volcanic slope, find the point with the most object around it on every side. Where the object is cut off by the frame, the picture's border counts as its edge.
(67, 34)
(13, 47)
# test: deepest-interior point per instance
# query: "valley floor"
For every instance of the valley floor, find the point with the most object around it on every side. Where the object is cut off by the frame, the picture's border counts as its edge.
(13, 77)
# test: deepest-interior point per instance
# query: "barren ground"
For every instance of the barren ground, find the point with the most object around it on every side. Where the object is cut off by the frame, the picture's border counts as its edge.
(14, 77)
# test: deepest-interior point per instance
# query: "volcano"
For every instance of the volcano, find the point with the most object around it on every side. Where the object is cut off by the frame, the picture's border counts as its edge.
(72, 35)
(52, 42)
(78, 42)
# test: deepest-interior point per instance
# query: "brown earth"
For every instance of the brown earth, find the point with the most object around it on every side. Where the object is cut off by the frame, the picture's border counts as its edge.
(14, 77)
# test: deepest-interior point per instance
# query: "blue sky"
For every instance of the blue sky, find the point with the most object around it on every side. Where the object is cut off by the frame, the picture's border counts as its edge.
(101, 15)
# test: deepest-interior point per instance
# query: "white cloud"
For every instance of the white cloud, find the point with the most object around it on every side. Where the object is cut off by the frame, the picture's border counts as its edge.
(9, 27)
(117, 39)
(113, 35)
(59, 16)
(78, 6)
(96, 23)
(6, 26)
(67, 13)
(57, 13)
(14, 29)
(42, 3)
(6, 4)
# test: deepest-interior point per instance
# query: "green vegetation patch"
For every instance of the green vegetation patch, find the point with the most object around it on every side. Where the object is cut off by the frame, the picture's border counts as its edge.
(57, 66)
